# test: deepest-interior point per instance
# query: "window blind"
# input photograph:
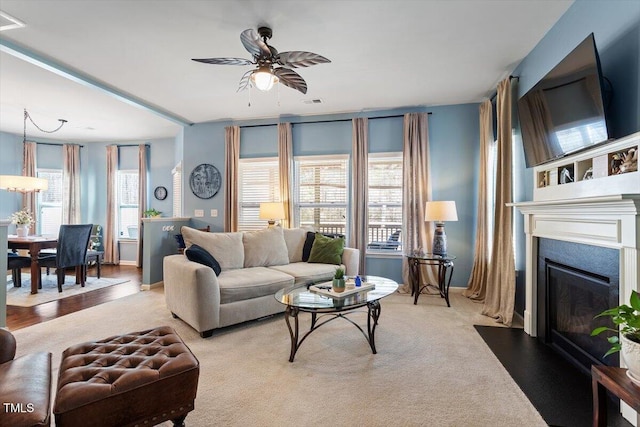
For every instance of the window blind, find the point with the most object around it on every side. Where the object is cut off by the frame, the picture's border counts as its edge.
(50, 202)
(385, 201)
(258, 181)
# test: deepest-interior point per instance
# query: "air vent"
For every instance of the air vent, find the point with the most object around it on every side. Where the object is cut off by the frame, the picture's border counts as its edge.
(8, 22)
(313, 101)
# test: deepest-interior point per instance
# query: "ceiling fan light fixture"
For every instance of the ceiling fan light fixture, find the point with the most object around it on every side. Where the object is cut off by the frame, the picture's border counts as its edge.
(264, 79)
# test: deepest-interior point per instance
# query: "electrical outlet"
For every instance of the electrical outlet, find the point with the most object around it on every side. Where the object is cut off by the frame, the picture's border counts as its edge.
(198, 213)
(214, 213)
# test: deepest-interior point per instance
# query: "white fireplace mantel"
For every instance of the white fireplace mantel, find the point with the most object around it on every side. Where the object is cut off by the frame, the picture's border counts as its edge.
(608, 221)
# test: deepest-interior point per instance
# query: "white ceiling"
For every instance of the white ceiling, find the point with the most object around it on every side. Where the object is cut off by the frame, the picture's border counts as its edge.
(385, 54)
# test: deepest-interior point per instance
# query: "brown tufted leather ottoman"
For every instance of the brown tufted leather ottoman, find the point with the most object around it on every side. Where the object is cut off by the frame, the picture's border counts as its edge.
(136, 379)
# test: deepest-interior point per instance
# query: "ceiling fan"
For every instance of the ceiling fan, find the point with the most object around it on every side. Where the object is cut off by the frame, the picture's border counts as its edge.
(271, 64)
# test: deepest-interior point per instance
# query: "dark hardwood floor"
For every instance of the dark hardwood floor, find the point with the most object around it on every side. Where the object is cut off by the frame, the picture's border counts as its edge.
(21, 317)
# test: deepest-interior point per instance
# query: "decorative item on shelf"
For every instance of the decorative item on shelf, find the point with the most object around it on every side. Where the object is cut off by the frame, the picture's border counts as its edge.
(439, 212)
(627, 319)
(205, 181)
(151, 213)
(22, 219)
(629, 161)
(160, 193)
(338, 283)
(271, 211)
(588, 174)
(566, 176)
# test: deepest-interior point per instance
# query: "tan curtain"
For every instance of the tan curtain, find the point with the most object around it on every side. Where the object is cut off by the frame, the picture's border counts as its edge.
(143, 170)
(358, 236)
(477, 285)
(285, 170)
(111, 254)
(71, 180)
(232, 156)
(30, 168)
(416, 233)
(500, 299)
(541, 127)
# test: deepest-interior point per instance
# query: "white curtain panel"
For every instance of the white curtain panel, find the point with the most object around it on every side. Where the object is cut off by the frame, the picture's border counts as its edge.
(143, 170)
(71, 182)
(30, 168)
(285, 171)
(232, 157)
(359, 188)
(111, 255)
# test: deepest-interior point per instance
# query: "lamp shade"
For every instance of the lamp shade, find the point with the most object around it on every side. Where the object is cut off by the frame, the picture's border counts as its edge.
(271, 211)
(440, 211)
(264, 79)
(23, 184)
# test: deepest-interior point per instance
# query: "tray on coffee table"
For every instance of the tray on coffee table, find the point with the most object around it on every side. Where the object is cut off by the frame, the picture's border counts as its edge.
(326, 289)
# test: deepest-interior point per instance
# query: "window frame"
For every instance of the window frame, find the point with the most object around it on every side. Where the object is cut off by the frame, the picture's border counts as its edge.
(251, 223)
(396, 156)
(342, 158)
(120, 205)
(40, 204)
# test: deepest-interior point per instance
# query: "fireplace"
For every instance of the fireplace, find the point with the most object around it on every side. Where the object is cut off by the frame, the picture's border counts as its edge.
(575, 283)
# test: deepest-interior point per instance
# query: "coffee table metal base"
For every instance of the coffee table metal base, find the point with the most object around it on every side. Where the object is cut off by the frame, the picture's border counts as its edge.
(373, 314)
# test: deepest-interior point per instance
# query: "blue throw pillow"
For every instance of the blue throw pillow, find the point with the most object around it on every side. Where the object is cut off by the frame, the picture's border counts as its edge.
(197, 254)
(180, 241)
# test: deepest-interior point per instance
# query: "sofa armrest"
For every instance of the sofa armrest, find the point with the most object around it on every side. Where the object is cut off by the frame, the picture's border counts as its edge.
(351, 261)
(192, 292)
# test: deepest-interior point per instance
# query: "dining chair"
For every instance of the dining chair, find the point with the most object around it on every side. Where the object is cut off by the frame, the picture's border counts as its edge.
(15, 263)
(73, 241)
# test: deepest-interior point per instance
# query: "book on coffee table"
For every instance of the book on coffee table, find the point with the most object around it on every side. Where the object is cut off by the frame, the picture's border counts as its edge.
(326, 289)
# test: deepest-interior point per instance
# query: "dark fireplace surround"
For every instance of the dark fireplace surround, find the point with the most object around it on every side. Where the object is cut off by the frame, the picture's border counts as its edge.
(576, 282)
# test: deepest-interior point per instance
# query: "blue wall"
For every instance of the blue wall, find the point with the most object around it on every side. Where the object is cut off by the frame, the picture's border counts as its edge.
(616, 28)
(453, 136)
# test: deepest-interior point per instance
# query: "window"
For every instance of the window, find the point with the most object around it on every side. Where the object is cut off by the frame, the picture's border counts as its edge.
(385, 202)
(128, 217)
(320, 193)
(176, 175)
(258, 181)
(49, 203)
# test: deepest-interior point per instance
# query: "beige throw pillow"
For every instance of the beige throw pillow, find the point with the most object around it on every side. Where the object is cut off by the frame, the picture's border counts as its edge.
(294, 238)
(265, 247)
(226, 248)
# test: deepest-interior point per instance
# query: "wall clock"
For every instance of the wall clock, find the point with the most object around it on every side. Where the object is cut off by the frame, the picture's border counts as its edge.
(205, 181)
(160, 193)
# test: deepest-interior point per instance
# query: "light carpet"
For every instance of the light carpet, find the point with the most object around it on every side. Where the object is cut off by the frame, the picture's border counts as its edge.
(432, 368)
(22, 296)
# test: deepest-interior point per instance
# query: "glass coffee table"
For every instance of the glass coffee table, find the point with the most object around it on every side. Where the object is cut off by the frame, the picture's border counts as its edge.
(325, 308)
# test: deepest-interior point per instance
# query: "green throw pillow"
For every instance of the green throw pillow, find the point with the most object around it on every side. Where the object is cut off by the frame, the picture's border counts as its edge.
(327, 250)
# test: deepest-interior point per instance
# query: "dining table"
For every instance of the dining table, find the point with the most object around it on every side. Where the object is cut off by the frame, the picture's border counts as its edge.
(34, 244)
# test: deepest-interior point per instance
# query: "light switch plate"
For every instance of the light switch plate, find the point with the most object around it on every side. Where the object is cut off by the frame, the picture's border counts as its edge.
(198, 213)
(214, 213)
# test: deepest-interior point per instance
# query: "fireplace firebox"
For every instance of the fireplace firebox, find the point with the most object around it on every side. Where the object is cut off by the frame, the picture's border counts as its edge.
(575, 283)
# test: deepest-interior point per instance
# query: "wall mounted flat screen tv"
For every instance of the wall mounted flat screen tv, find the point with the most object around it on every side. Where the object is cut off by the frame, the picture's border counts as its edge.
(564, 112)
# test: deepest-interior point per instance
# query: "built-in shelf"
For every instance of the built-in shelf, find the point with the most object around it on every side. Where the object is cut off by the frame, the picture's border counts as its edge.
(596, 172)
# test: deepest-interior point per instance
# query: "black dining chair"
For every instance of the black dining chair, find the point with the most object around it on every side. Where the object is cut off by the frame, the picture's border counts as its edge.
(15, 263)
(73, 241)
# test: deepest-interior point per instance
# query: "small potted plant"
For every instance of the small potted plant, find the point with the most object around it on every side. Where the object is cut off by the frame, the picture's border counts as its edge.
(338, 283)
(627, 318)
(151, 213)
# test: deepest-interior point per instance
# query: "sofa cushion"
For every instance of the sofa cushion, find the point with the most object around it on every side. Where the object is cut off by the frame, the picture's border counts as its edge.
(304, 273)
(197, 254)
(295, 238)
(263, 248)
(326, 250)
(226, 248)
(308, 243)
(253, 282)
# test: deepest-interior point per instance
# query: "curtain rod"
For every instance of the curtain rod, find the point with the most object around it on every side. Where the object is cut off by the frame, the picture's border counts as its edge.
(54, 144)
(328, 121)
(496, 94)
(130, 145)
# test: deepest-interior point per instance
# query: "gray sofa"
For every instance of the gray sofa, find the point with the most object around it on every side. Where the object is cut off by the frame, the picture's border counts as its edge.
(254, 266)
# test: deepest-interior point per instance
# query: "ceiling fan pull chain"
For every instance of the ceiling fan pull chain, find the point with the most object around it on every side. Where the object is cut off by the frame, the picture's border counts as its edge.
(250, 87)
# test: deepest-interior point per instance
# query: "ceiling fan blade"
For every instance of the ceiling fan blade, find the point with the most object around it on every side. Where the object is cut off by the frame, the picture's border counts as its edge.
(245, 81)
(224, 61)
(298, 58)
(252, 42)
(291, 78)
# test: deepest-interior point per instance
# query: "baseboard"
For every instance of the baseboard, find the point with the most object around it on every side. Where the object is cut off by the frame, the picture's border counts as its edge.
(128, 263)
(152, 286)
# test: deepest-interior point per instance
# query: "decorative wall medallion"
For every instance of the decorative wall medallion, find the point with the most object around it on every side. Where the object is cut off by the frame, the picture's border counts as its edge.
(160, 193)
(205, 181)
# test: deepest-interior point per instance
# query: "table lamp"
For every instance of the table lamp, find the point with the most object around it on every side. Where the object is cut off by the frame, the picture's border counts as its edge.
(439, 212)
(271, 212)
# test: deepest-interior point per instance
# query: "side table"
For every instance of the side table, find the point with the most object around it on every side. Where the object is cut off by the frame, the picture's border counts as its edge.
(615, 380)
(445, 265)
